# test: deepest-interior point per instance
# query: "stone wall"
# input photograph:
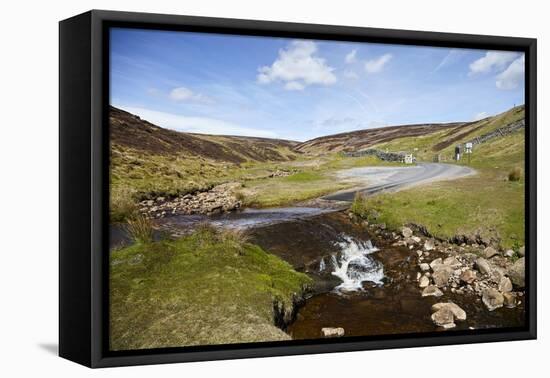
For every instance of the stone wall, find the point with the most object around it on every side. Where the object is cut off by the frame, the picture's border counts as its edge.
(386, 156)
(503, 131)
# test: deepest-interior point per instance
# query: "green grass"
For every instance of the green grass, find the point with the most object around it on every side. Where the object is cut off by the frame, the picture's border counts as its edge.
(422, 146)
(488, 202)
(208, 288)
(303, 177)
(136, 176)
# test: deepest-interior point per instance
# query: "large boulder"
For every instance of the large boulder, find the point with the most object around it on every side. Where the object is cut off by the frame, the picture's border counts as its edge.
(441, 275)
(429, 244)
(444, 318)
(423, 282)
(332, 332)
(517, 272)
(436, 262)
(489, 252)
(468, 276)
(505, 285)
(483, 266)
(452, 261)
(492, 298)
(509, 300)
(458, 313)
(432, 291)
(425, 267)
(406, 232)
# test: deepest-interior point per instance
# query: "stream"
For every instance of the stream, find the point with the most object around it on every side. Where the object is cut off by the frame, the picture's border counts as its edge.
(361, 282)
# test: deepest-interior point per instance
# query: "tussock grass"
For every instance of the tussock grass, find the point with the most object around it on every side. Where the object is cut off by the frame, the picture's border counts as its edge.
(515, 174)
(122, 203)
(140, 229)
(358, 206)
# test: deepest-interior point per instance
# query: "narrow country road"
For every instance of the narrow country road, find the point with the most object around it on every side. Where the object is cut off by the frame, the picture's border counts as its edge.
(378, 179)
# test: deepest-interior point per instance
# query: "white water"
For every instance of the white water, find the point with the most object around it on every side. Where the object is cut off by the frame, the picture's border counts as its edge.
(322, 265)
(356, 266)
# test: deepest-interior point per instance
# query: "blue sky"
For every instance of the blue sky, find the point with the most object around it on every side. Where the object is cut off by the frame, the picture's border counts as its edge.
(301, 89)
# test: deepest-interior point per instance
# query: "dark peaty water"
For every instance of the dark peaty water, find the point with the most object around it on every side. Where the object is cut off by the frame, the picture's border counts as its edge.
(378, 306)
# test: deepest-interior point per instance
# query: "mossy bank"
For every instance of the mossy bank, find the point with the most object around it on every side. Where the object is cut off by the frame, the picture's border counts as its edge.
(212, 287)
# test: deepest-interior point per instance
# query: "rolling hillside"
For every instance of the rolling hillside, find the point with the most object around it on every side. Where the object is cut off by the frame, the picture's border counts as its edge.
(130, 131)
(425, 141)
(361, 139)
(508, 144)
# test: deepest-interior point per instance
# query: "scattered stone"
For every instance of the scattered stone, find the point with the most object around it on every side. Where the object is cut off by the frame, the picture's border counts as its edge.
(505, 285)
(432, 291)
(444, 318)
(509, 253)
(441, 275)
(489, 252)
(509, 300)
(452, 261)
(521, 251)
(419, 253)
(406, 232)
(424, 267)
(483, 266)
(436, 262)
(429, 245)
(332, 332)
(216, 200)
(424, 282)
(458, 313)
(517, 272)
(416, 239)
(468, 276)
(492, 298)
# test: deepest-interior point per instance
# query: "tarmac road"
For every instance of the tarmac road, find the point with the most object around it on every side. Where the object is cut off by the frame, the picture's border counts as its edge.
(379, 179)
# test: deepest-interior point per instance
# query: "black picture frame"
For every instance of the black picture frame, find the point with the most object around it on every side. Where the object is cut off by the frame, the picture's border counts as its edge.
(83, 181)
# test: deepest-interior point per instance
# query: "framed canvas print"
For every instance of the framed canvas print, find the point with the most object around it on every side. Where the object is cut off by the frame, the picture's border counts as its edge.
(234, 188)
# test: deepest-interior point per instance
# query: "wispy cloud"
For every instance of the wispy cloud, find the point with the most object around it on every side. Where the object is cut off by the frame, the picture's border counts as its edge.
(513, 76)
(450, 58)
(351, 57)
(492, 61)
(298, 66)
(376, 65)
(349, 74)
(201, 125)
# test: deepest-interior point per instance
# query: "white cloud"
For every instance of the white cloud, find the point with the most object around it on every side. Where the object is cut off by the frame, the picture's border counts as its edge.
(183, 94)
(351, 56)
(201, 125)
(480, 115)
(449, 59)
(376, 65)
(294, 86)
(513, 76)
(298, 66)
(492, 61)
(351, 75)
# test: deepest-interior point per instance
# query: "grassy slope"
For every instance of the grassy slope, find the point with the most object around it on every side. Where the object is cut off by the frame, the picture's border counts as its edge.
(316, 178)
(488, 202)
(208, 288)
(136, 175)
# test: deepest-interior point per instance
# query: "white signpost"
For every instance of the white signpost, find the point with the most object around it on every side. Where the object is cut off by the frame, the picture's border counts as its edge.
(468, 150)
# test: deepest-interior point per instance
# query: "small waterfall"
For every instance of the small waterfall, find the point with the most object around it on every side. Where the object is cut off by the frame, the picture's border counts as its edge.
(354, 265)
(322, 265)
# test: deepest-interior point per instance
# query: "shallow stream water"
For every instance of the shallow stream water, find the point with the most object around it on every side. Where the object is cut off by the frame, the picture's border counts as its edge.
(361, 282)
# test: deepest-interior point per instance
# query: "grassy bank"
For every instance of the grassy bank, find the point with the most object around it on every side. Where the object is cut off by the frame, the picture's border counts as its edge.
(490, 203)
(208, 288)
(137, 175)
